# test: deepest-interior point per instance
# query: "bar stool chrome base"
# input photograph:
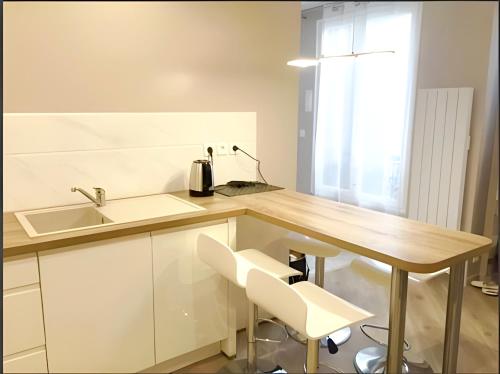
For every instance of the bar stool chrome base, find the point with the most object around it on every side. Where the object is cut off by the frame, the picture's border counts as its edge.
(339, 337)
(372, 360)
(240, 366)
(322, 368)
(264, 321)
(263, 365)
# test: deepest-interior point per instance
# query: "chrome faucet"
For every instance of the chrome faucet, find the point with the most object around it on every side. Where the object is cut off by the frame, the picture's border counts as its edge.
(100, 195)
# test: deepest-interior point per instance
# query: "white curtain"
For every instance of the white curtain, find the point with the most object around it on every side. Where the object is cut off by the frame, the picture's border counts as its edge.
(365, 103)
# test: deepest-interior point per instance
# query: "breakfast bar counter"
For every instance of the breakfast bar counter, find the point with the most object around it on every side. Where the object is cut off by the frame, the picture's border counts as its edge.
(410, 245)
(406, 245)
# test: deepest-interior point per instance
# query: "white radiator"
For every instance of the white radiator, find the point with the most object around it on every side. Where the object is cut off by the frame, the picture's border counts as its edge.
(439, 158)
(439, 155)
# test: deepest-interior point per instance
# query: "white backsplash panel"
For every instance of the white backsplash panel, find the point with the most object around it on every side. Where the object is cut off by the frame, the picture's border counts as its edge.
(128, 154)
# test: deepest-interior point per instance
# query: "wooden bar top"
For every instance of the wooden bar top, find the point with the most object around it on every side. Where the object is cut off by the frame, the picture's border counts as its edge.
(408, 244)
(402, 242)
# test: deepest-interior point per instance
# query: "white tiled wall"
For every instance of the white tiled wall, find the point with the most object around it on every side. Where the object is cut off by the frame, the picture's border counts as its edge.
(128, 154)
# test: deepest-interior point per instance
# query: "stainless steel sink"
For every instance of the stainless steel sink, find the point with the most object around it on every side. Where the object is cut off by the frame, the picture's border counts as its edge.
(61, 219)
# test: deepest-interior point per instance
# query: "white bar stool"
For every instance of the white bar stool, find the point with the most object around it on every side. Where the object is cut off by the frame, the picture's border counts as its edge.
(235, 266)
(372, 359)
(307, 308)
(320, 250)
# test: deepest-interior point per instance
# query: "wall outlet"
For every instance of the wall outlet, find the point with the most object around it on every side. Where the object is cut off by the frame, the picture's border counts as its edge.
(230, 149)
(222, 149)
(205, 147)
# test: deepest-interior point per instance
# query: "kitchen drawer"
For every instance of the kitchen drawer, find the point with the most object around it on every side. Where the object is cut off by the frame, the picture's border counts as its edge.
(33, 361)
(20, 271)
(22, 320)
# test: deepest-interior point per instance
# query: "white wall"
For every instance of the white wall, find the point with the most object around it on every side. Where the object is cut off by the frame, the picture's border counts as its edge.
(456, 50)
(128, 154)
(488, 157)
(165, 56)
(306, 118)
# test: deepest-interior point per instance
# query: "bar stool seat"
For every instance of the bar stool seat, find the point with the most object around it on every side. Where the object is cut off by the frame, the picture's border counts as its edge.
(235, 267)
(307, 308)
(372, 359)
(325, 312)
(251, 258)
(305, 244)
(320, 250)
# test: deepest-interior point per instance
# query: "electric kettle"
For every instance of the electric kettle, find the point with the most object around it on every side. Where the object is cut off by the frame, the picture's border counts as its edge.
(201, 181)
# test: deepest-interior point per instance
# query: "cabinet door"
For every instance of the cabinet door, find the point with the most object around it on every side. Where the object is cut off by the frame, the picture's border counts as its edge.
(190, 298)
(20, 271)
(22, 319)
(33, 361)
(98, 306)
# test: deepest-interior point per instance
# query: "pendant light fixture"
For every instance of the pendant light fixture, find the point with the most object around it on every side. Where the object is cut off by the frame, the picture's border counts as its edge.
(303, 62)
(308, 62)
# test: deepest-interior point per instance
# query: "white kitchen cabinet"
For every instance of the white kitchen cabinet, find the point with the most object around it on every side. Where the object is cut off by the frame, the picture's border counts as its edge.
(23, 330)
(20, 271)
(32, 361)
(22, 319)
(190, 298)
(98, 306)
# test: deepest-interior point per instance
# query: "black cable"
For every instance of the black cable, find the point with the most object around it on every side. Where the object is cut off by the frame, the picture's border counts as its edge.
(210, 154)
(236, 148)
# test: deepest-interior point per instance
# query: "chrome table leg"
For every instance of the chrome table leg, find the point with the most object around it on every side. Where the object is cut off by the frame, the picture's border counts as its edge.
(397, 315)
(251, 349)
(319, 272)
(453, 314)
(312, 356)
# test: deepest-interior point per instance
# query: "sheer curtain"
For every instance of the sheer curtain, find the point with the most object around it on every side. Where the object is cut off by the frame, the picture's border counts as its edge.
(365, 103)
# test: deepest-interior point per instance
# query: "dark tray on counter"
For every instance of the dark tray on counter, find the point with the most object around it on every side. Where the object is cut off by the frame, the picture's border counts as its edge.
(254, 187)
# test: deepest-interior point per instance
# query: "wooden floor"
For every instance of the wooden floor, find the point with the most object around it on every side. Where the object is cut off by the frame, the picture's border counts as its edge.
(425, 319)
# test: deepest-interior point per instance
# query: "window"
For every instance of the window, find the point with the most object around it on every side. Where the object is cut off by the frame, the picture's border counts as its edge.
(365, 103)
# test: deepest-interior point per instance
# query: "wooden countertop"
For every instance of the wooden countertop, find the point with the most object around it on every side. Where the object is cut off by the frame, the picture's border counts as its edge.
(16, 240)
(410, 245)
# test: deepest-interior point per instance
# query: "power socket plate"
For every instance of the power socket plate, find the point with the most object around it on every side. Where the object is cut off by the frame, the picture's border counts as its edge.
(222, 149)
(205, 147)
(230, 148)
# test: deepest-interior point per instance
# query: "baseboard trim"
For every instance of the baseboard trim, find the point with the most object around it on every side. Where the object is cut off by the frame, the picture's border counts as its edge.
(184, 360)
